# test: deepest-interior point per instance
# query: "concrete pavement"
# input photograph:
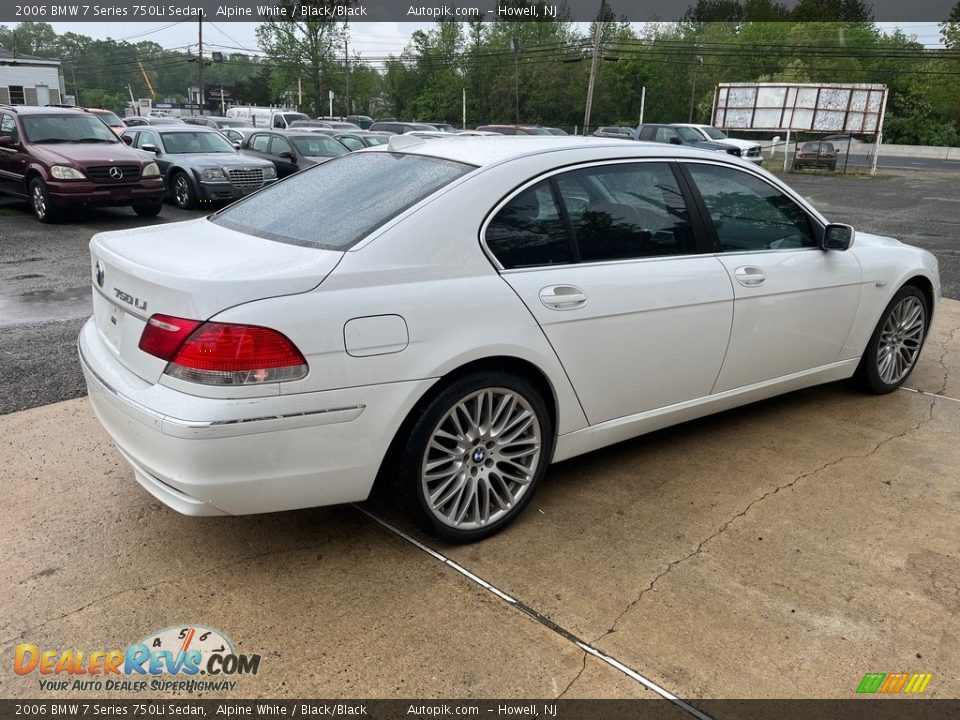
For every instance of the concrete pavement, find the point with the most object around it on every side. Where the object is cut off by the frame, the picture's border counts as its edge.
(780, 550)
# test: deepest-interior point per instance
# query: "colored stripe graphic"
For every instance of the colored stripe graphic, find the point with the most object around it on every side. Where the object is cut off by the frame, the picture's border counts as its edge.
(918, 683)
(871, 682)
(891, 683)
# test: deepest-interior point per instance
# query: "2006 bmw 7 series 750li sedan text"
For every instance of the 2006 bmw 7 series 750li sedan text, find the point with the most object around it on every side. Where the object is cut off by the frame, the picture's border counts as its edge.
(508, 303)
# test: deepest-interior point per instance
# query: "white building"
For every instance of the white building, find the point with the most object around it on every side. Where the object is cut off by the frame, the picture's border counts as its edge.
(29, 80)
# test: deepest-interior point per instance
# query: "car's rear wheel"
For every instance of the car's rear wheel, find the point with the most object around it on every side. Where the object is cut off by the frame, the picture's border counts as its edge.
(896, 342)
(148, 209)
(475, 456)
(43, 208)
(183, 194)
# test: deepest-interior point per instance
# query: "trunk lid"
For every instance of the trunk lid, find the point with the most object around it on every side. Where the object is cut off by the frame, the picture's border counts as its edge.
(193, 270)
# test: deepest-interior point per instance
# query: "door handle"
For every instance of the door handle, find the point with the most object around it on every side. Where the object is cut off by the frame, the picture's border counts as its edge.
(563, 297)
(750, 276)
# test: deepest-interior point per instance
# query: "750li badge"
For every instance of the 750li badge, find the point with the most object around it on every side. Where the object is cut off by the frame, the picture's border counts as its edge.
(131, 300)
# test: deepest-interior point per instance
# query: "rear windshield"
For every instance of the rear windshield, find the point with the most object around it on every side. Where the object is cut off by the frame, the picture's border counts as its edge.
(108, 117)
(335, 205)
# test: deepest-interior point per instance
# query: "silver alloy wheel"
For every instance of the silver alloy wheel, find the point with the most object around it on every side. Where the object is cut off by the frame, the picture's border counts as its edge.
(900, 340)
(481, 458)
(39, 201)
(181, 191)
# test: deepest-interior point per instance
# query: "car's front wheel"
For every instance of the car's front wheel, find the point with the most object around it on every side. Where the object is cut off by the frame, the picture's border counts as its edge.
(183, 194)
(896, 342)
(43, 208)
(475, 456)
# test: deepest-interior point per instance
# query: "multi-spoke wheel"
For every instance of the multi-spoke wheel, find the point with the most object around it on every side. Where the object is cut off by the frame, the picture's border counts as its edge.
(182, 191)
(476, 455)
(43, 209)
(896, 343)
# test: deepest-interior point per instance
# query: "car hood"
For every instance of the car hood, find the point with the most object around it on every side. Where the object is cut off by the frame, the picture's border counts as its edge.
(865, 239)
(85, 154)
(742, 144)
(225, 160)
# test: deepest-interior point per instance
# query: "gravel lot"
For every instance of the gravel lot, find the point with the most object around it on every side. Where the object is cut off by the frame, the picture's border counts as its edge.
(44, 270)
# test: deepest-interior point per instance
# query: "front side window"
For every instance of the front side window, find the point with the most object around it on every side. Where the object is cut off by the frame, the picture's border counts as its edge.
(351, 142)
(749, 213)
(280, 145)
(629, 210)
(146, 138)
(336, 204)
(528, 231)
(319, 146)
(664, 134)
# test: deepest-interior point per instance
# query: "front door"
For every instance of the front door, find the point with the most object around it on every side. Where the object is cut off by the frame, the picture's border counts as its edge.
(794, 303)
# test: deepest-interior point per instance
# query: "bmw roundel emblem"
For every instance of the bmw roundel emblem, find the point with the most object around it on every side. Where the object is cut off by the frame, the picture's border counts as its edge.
(98, 273)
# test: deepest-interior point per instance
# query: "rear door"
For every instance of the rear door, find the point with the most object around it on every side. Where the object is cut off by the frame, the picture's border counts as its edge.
(794, 303)
(606, 258)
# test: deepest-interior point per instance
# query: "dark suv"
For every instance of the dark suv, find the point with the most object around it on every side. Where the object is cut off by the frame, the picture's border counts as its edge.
(59, 158)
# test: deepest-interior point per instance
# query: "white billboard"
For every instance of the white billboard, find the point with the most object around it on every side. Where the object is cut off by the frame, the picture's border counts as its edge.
(840, 108)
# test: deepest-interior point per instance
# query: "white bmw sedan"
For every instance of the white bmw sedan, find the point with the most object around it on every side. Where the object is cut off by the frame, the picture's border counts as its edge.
(453, 315)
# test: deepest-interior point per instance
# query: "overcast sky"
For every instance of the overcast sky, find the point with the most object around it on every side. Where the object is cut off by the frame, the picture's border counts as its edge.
(373, 40)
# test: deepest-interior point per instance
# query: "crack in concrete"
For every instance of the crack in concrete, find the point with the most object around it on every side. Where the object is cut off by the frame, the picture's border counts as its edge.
(576, 677)
(943, 364)
(674, 563)
(104, 598)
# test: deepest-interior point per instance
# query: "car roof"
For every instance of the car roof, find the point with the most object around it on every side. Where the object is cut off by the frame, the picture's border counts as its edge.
(490, 150)
(44, 110)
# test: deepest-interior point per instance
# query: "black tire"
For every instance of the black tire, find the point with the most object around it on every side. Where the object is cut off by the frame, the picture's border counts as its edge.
(148, 209)
(43, 208)
(182, 190)
(483, 469)
(833, 167)
(869, 375)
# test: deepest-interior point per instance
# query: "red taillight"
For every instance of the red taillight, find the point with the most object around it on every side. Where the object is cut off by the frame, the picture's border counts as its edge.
(164, 334)
(215, 353)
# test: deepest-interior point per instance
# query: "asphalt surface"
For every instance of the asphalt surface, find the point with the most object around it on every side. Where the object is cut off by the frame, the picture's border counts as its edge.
(44, 269)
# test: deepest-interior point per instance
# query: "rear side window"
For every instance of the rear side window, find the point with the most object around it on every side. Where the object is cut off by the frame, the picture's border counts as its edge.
(335, 205)
(624, 211)
(528, 231)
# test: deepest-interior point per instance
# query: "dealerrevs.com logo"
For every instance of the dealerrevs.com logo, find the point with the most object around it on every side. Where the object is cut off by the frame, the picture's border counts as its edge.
(190, 658)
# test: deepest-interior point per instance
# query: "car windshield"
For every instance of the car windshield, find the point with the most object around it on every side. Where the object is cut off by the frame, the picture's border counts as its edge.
(336, 204)
(67, 128)
(294, 117)
(319, 146)
(689, 134)
(109, 118)
(713, 133)
(537, 131)
(181, 143)
(377, 140)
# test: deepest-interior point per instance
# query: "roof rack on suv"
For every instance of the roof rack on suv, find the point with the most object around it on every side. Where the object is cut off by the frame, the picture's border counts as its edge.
(63, 105)
(8, 106)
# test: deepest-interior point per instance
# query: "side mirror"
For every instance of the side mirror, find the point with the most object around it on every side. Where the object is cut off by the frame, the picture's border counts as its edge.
(236, 144)
(837, 236)
(287, 155)
(148, 148)
(127, 139)
(6, 141)
(675, 141)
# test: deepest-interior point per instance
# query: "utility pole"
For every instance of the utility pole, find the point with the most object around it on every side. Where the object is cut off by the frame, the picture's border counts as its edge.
(697, 62)
(515, 46)
(200, 64)
(346, 64)
(593, 67)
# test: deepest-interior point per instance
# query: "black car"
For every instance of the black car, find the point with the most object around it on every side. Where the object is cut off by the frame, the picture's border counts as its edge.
(680, 135)
(293, 150)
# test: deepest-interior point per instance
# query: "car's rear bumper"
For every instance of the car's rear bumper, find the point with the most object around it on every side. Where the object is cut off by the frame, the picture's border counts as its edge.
(88, 194)
(236, 457)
